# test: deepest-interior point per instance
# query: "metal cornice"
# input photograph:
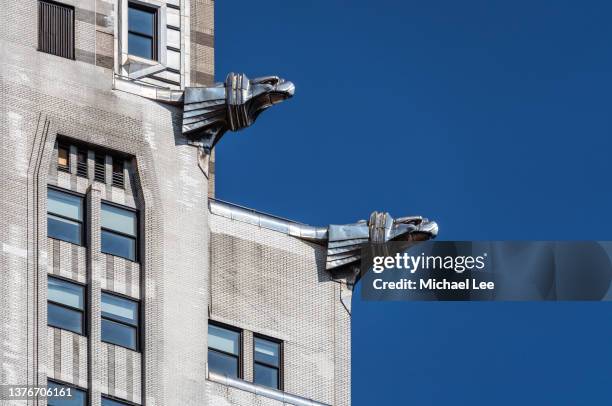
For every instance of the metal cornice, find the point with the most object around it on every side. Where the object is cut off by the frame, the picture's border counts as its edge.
(268, 221)
(281, 396)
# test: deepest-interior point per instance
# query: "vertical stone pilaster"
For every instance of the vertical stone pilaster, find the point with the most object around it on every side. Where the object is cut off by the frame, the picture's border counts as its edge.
(95, 267)
(40, 365)
(211, 174)
(247, 355)
(109, 174)
(127, 176)
(53, 168)
(91, 158)
(73, 165)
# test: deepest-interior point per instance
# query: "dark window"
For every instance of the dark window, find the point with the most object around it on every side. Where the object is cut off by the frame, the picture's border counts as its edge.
(100, 168)
(65, 305)
(64, 216)
(119, 231)
(224, 351)
(63, 158)
(119, 321)
(82, 163)
(114, 402)
(118, 179)
(142, 31)
(56, 29)
(267, 363)
(77, 397)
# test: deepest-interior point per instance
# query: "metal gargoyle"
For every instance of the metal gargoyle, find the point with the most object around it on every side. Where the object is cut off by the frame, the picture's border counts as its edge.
(209, 112)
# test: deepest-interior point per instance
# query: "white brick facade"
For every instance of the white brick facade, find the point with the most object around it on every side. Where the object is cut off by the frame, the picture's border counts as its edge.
(192, 265)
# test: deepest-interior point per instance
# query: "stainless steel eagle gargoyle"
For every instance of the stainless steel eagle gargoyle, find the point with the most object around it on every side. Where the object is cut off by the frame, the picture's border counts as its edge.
(209, 112)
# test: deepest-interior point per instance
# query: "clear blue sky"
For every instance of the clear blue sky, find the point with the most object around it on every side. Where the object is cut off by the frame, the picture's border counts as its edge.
(493, 118)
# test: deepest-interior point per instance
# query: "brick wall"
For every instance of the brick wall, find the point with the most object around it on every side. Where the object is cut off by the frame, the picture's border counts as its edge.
(269, 283)
(44, 96)
(263, 281)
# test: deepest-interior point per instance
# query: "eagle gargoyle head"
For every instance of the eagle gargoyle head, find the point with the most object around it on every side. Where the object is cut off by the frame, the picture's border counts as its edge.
(211, 111)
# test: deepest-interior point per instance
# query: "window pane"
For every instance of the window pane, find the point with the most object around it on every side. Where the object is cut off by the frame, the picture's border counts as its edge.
(62, 157)
(267, 351)
(117, 333)
(266, 376)
(111, 402)
(65, 204)
(66, 293)
(64, 318)
(118, 219)
(141, 21)
(223, 339)
(77, 396)
(118, 245)
(140, 46)
(118, 308)
(63, 229)
(223, 364)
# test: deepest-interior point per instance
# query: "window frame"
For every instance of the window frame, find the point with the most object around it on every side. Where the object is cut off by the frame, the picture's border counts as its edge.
(119, 400)
(82, 222)
(156, 35)
(139, 337)
(281, 360)
(84, 314)
(135, 238)
(240, 355)
(70, 385)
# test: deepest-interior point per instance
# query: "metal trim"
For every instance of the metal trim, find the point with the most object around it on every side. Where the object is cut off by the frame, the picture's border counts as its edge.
(263, 391)
(268, 221)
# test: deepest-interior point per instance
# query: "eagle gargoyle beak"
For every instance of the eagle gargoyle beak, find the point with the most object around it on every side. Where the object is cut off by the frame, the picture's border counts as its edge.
(286, 87)
(279, 89)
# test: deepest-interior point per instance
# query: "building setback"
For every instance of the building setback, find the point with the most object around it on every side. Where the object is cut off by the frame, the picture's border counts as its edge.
(122, 277)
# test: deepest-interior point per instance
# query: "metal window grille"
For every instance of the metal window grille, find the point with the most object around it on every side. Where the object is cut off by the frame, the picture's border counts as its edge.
(82, 163)
(56, 29)
(118, 178)
(100, 168)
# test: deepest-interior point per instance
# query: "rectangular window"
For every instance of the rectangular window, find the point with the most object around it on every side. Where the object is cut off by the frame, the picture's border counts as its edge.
(64, 216)
(119, 231)
(100, 168)
(56, 29)
(73, 396)
(82, 163)
(106, 401)
(119, 321)
(65, 305)
(63, 158)
(142, 31)
(118, 178)
(224, 350)
(267, 363)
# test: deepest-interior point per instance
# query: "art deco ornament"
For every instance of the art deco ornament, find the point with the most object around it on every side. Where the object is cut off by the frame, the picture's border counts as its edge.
(345, 241)
(209, 112)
